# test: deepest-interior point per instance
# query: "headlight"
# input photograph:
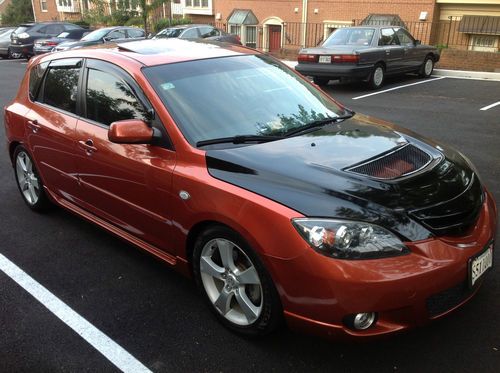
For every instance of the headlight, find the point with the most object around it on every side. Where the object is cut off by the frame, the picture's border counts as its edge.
(24, 35)
(349, 239)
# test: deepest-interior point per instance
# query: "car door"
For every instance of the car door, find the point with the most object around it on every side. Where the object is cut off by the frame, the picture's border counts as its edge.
(412, 58)
(393, 51)
(128, 185)
(52, 123)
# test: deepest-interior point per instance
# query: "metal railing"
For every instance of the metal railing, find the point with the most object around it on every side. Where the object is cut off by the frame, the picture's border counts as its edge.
(472, 32)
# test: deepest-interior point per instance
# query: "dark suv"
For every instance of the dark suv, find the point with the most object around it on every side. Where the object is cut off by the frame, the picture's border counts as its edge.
(24, 36)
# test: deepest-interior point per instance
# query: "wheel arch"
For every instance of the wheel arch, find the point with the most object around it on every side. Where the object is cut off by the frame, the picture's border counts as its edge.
(12, 148)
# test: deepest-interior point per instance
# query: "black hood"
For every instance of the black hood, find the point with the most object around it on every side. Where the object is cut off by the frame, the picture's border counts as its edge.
(323, 174)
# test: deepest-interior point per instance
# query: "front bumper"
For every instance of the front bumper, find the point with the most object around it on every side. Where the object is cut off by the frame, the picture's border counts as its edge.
(24, 49)
(318, 293)
(334, 70)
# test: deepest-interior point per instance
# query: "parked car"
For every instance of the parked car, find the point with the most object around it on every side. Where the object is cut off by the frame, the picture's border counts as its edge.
(5, 41)
(24, 36)
(47, 45)
(367, 53)
(230, 167)
(104, 35)
(206, 32)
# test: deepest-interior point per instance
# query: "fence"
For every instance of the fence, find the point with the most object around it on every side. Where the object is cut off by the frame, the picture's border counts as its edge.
(458, 33)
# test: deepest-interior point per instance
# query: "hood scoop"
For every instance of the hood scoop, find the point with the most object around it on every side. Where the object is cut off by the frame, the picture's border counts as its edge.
(393, 164)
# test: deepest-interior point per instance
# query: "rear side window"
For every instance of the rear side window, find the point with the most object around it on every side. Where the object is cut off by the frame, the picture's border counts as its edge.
(36, 75)
(132, 33)
(61, 86)
(388, 37)
(191, 33)
(110, 99)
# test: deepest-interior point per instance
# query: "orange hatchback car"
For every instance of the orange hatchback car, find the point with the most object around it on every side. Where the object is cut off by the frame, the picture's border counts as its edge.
(234, 169)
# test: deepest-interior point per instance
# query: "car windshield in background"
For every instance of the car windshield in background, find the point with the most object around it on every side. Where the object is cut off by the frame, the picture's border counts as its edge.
(95, 35)
(21, 29)
(238, 96)
(350, 36)
(169, 33)
(63, 34)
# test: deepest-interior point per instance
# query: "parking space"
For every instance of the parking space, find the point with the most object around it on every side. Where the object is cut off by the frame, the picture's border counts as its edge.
(157, 316)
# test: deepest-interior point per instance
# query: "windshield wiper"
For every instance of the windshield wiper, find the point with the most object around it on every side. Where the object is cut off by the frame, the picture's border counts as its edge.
(318, 123)
(241, 139)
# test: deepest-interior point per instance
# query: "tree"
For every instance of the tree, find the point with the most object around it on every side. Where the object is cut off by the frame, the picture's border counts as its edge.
(146, 7)
(17, 12)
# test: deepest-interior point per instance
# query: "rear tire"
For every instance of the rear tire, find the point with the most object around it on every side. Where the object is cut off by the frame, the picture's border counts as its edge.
(235, 283)
(377, 77)
(427, 67)
(29, 182)
(320, 81)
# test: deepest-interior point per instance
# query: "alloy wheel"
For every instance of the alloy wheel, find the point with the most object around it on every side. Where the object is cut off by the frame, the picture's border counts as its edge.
(231, 281)
(378, 76)
(429, 64)
(28, 180)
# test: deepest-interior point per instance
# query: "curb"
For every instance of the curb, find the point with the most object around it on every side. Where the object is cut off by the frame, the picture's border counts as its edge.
(442, 72)
(467, 74)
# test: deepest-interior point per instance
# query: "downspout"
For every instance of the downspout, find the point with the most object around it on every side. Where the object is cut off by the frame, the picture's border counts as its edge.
(304, 23)
(33, 7)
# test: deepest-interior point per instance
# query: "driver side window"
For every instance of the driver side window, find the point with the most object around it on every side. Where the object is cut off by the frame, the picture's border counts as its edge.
(109, 99)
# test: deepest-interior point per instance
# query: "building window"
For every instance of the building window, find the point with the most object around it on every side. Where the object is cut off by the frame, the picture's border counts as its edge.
(235, 30)
(484, 43)
(43, 5)
(251, 36)
(197, 3)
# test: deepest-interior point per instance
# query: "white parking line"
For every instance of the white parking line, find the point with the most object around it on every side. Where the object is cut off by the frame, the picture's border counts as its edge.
(399, 87)
(490, 106)
(101, 342)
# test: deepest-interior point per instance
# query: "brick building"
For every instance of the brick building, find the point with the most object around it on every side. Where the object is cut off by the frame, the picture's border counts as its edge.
(274, 24)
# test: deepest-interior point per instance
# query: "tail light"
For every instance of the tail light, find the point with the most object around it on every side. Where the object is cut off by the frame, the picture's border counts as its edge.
(307, 58)
(350, 58)
(50, 43)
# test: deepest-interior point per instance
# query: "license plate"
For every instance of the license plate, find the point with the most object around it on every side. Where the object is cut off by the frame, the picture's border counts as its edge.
(325, 59)
(480, 264)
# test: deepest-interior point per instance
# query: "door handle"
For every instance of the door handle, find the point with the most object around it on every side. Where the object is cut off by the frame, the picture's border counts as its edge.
(33, 125)
(88, 146)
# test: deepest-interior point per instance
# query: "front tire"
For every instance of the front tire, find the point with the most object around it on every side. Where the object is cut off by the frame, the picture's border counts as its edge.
(234, 283)
(427, 67)
(377, 77)
(29, 182)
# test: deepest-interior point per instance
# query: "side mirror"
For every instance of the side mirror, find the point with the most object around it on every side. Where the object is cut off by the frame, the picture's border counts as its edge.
(418, 42)
(107, 39)
(132, 131)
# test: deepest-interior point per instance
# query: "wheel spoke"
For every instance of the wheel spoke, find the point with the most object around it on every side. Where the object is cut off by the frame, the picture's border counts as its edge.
(226, 254)
(223, 302)
(34, 182)
(32, 193)
(21, 163)
(29, 164)
(248, 276)
(208, 266)
(249, 309)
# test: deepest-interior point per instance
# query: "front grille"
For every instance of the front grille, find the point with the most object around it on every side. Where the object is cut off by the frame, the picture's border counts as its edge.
(455, 216)
(397, 163)
(439, 303)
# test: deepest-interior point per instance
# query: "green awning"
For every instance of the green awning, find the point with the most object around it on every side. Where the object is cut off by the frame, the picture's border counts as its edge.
(242, 17)
(489, 25)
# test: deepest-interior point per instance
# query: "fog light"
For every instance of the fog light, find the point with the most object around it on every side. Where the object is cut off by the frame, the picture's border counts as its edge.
(364, 320)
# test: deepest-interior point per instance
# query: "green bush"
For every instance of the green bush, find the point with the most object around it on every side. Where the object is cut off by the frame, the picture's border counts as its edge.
(135, 21)
(164, 23)
(82, 23)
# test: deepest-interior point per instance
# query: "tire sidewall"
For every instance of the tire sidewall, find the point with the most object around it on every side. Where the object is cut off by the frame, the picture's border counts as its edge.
(372, 77)
(271, 314)
(422, 71)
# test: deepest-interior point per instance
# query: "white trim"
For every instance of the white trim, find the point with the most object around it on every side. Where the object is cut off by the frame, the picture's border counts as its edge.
(100, 341)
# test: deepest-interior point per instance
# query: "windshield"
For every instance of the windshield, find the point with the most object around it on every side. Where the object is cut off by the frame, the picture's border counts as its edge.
(237, 96)
(21, 29)
(350, 36)
(63, 35)
(169, 33)
(95, 35)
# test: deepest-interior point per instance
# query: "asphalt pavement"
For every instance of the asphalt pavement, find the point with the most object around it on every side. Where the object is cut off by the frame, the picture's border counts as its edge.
(157, 315)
